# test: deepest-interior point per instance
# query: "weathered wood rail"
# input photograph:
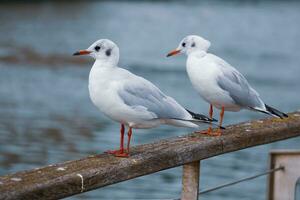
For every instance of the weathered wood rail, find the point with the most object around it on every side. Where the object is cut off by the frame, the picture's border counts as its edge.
(73, 177)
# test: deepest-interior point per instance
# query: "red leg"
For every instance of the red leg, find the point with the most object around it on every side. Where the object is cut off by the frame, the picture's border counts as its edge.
(211, 112)
(126, 154)
(121, 150)
(221, 119)
(122, 138)
(219, 131)
(209, 130)
(129, 138)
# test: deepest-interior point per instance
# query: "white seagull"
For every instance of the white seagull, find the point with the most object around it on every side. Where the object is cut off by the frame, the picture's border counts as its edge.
(217, 82)
(130, 99)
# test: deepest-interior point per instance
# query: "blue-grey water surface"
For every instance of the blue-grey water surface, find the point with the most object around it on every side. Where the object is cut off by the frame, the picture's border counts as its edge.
(46, 115)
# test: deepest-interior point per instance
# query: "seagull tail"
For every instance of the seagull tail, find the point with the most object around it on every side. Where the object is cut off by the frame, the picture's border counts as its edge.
(272, 111)
(198, 122)
(200, 116)
(195, 121)
(276, 112)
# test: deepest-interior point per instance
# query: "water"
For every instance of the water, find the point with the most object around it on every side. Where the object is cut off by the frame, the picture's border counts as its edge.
(46, 115)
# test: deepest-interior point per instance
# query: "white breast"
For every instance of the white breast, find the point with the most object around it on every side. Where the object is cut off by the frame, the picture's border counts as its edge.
(102, 92)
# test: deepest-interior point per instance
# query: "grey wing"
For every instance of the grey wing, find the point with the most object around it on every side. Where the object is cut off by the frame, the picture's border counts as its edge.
(238, 87)
(143, 94)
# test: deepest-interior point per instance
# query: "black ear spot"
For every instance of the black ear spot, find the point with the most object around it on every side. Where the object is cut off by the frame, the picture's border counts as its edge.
(108, 52)
(193, 44)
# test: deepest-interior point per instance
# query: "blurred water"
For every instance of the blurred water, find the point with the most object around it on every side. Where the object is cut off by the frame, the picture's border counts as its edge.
(45, 112)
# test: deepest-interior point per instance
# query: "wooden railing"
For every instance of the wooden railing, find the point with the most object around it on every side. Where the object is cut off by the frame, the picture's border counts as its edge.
(74, 177)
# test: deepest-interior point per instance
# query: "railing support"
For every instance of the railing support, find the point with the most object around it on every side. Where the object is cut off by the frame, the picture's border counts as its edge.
(73, 177)
(190, 181)
(282, 185)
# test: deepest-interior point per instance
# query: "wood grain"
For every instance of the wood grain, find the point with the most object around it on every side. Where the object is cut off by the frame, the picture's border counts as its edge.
(62, 180)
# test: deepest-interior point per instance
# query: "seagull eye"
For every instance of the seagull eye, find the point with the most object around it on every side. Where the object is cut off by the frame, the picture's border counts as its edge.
(183, 44)
(97, 48)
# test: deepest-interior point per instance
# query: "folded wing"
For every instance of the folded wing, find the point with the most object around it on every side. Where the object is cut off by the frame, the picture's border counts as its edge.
(143, 95)
(238, 87)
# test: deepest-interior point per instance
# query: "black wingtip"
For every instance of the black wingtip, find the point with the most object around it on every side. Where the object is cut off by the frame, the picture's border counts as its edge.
(201, 117)
(221, 127)
(276, 112)
(285, 115)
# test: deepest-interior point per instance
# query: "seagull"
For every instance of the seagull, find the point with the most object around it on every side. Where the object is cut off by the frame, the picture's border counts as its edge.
(129, 99)
(218, 83)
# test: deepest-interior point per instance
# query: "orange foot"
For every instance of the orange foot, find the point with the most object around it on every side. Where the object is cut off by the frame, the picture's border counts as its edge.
(210, 132)
(114, 152)
(122, 155)
(118, 153)
(216, 133)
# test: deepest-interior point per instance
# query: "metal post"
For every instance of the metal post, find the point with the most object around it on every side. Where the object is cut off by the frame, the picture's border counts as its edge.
(190, 181)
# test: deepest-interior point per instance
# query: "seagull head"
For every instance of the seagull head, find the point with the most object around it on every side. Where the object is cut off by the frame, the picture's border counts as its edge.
(191, 44)
(103, 50)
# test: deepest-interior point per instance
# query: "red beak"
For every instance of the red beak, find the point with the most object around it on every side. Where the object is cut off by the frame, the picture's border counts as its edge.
(81, 52)
(174, 52)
